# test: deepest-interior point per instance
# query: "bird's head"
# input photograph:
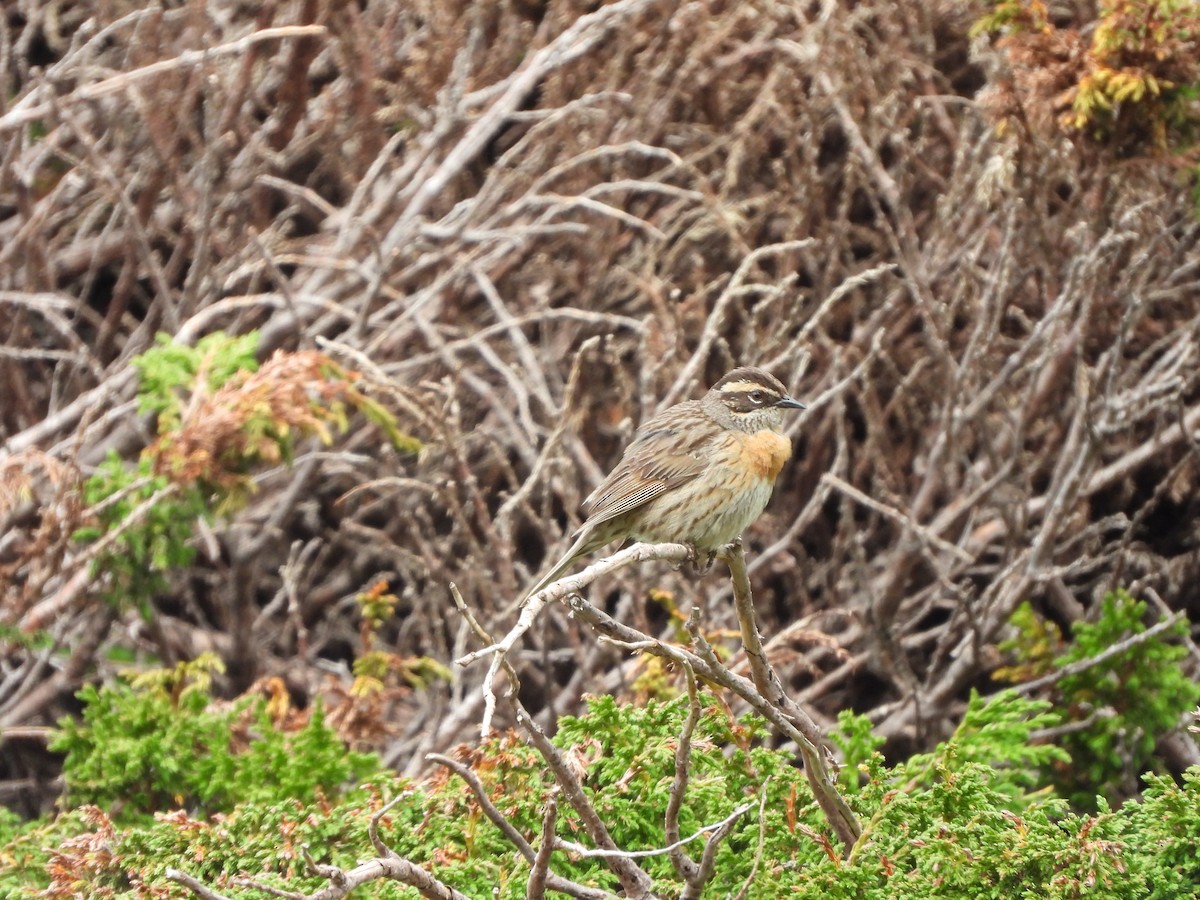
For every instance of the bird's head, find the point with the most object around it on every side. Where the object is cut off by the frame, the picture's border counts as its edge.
(751, 399)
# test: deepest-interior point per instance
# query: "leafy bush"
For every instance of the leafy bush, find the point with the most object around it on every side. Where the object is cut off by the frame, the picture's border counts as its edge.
(171, 372)
(135, 551)
(218, 415)
(1129, 701)
(1117, 706)
(143, 748)
(967, 820)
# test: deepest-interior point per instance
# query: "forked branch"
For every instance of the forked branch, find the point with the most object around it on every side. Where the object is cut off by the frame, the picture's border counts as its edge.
(764, 694)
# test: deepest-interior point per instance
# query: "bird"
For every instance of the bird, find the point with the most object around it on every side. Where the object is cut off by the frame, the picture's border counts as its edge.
(697, 473)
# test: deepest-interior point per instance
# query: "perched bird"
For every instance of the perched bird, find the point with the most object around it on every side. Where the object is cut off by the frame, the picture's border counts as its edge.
(697, 473)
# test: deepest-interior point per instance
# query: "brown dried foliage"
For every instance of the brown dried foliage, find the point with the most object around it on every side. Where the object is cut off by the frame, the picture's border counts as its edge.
(250, 420)
(40, 508)
(531, 228)
(88, 862)
(1121, 79)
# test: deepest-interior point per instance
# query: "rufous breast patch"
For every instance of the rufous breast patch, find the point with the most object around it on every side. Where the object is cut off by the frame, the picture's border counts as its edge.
(765, 452)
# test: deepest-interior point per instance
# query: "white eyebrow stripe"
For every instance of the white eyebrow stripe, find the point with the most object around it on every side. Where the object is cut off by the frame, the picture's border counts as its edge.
(746, 387)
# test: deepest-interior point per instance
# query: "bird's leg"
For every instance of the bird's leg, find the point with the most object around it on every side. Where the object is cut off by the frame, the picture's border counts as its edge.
(694, 558)
(689, 560)
(699, 561)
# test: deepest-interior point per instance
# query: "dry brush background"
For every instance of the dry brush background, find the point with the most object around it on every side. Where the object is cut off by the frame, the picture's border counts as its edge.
(530, 225)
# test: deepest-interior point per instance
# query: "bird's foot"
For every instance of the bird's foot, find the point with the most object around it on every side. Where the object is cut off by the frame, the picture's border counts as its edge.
(701, 561)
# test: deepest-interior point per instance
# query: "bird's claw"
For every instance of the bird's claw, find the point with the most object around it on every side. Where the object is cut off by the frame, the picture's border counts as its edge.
(694, 559)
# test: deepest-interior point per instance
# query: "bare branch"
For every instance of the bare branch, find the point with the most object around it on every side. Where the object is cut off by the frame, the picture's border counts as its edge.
(634, 881)
(489, 808)
(535, 887)
(721, 827)
(822, 781)
(684, 865)
(24, 112)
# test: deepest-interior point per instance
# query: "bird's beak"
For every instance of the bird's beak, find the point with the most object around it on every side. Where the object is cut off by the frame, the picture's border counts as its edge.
(791, 403)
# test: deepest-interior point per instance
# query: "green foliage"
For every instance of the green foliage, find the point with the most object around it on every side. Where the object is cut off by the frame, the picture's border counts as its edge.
(629, 755)
(1117, 708)
(138, 551)
(1147, 69)
(1034, 647)
(1165, 821)
(624, 757)
(37, 639)
(1129, 701)
(151, 746)
(378, 415)
(219, 415)
(10, 827)
(946, 825)
(83, 854)
(859, 746)
(995, 736)
(967, 820)
(170, 372)
(1012, 16)
(185, 679)
(372, 667)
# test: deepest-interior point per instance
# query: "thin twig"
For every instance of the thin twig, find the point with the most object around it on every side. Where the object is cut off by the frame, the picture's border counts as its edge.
(532, 606)
(684, 864)
(634, 880)
(535, 887)
(22, 114)
(196, 887)
(820, 779)
(577, 39)
(588, 853)
(485, 803)
(896, 516)
(758, 850)
(373, 827)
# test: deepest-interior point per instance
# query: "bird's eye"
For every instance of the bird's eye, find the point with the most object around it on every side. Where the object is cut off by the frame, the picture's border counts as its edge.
(756, 397)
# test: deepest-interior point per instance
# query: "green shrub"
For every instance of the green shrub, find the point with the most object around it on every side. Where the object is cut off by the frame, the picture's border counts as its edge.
(235, 796)
(1129, 702)
(1116, 709)
(219, 414)
(145, 748)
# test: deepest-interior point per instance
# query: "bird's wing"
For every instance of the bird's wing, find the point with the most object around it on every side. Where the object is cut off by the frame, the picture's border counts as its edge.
(645, 472)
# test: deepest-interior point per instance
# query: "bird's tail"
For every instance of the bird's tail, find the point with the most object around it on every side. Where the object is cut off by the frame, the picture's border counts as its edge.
(584, 544)
(553, 575)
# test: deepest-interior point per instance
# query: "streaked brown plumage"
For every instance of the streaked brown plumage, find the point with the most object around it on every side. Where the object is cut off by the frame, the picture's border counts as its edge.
(697, 473)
